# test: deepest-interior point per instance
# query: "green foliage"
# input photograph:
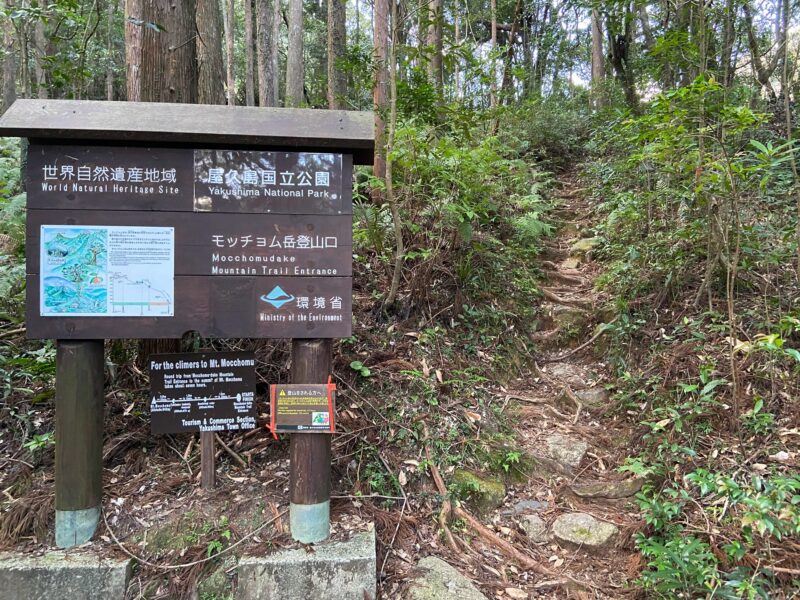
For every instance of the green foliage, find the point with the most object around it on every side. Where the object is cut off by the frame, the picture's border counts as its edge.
(359, 368)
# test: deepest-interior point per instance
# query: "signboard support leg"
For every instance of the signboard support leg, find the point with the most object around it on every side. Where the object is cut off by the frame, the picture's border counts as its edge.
(208, 467)
(310, 453)
(79, 440)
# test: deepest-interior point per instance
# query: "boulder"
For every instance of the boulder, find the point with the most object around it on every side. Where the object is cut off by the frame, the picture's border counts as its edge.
(584, 246)
(608, 489)
(582, 530)
(594, 397)
(566, 450)
(437, 580)
(574, 376)
(535, 528)
(483, 493)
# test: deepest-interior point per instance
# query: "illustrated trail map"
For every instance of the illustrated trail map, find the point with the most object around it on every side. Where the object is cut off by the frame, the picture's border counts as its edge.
(98, 271)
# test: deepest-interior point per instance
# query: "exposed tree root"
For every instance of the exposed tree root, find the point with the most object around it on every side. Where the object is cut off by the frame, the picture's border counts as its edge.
(553, 297)
(585, 344)
(492, 538)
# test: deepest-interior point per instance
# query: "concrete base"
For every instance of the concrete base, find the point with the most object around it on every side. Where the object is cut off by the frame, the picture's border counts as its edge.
(76, 527)
(73, 576)
(329, 571)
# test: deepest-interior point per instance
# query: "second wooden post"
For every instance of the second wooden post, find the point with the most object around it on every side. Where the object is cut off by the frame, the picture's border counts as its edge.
(310, 453)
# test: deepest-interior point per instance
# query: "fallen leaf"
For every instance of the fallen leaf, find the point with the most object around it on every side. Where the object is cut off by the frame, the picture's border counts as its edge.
(516, 593)
(439, 377)
(426, 370)
(472, 417)
(401, 477)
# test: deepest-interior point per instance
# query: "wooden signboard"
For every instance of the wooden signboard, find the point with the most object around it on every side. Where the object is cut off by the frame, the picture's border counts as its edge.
(205, 392)
(131, 242)
(303, 408)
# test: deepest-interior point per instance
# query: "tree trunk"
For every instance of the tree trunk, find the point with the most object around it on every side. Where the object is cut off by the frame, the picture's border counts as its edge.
(506, 88)
(337, 45)
(294, 55)
(9, 65)
(210, 70)
(493, 49)
(435, 43)
(598, 61)
(266, 77)
(274, 53)
(110, 10)
(40, 48)
(162, 65)
(228, 19)
(380, 32)
(249, 89)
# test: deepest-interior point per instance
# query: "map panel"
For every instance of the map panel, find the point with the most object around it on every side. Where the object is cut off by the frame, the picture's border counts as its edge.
(114, 271)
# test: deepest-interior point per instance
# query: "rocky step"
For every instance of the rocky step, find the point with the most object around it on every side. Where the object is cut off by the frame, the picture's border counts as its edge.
(583, 531)
(434, 579)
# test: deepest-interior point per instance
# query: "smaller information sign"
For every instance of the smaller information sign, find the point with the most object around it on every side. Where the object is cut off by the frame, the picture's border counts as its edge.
(302, 407)
(212, 391)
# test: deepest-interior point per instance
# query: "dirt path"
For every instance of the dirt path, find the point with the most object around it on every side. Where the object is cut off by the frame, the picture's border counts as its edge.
(577, 510)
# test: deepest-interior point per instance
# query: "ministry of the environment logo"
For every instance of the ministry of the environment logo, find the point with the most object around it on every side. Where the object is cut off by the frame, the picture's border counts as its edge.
(277, 297)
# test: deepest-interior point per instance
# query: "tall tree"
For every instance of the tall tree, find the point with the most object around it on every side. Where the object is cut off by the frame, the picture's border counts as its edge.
(380, 40)
(161, 67)
(160, 51)
(435, 44)
(210, 70)
(294, 55)
(228, 19)
(9, 65)
(598, 61)
(249, 89)
(337, 45)
(267, 92)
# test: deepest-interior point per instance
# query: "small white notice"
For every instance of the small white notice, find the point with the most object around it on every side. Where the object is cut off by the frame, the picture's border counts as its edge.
(113, 271)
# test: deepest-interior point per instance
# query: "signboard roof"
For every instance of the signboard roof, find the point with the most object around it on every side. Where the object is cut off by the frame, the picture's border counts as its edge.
(297, 129)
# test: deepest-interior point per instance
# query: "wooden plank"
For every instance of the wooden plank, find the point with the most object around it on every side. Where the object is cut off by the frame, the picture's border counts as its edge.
(80, 177)
(226, 243)
(208, 462)
(79, 424)
(193, 124)
(219, 307)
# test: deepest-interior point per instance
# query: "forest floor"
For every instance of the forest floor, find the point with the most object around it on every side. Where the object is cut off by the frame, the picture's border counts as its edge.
(527, 544)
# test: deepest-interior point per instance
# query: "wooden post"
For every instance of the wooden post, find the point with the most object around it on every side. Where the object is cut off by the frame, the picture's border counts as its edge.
(79, 440)
(310, 453)
(208, 466)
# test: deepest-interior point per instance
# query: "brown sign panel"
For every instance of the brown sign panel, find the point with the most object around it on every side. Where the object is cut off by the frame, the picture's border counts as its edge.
(213, 391)
(132, 242)
(255, 307)
(182, 179)
(304, 407)
(226, 244)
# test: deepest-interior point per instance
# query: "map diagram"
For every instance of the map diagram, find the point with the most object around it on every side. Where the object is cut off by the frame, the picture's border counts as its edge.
(110, 271)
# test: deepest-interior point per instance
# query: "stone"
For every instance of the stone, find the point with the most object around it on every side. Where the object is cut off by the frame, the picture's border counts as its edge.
(584, 247)
(74, 575)
(570, 263)
(574, 376)
(327, 571)
(568, 319)
(483, 493)
(608, 489)
(566, 450)
(535, 528)
(437, 580)
(582, 530)
(594, 397)
(218, 584)
(524, 506)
